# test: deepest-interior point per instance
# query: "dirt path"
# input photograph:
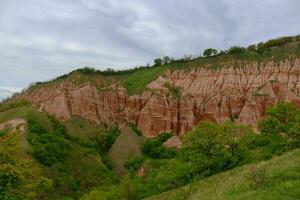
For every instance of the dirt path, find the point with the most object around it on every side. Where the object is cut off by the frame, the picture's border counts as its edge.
(14, 124)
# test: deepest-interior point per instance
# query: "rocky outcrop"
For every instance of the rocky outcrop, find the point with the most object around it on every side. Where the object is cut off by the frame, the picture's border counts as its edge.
(238, 93)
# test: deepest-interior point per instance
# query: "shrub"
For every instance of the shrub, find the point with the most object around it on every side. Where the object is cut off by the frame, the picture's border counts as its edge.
(283, 118)
(154, 147)
(252, 47)
(236, 50)
(214, 147)
(158, 62)
(270, 126)
(133, 163)
(105, 139)
(210, 52)
(47, 147)
(258, 177)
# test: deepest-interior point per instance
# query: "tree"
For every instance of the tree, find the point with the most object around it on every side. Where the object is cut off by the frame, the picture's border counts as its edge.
(166, 60)
(19, 178)
(236, 50)
(251, 47)
(157, 62)
(210, 52)
(214, 147)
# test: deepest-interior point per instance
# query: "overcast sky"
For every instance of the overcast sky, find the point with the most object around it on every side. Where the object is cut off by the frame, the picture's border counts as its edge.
(41, 39)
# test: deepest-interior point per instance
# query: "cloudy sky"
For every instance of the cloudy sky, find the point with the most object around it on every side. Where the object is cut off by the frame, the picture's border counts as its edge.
(40, 39)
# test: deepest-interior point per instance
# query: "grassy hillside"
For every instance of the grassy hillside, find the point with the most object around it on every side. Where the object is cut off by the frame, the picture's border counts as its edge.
(206, 151)
(136, 79)
(67, 155)
(276, 179)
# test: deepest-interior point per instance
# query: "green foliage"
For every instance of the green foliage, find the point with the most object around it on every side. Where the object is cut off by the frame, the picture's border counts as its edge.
(210, 52)
(47, 147)
(154, 147)
(252, 47)
(133, 163)
(105, 139)
(12, 104)
(158, 62)
(236, 50)
(214, 147)
(270, 125)
(19, 178)
(283, 118)
(258, 177)
(276, 179)
(4, 132)
(208, 149)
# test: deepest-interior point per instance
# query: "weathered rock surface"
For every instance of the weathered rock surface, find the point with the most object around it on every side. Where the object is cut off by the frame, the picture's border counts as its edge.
(241, 94)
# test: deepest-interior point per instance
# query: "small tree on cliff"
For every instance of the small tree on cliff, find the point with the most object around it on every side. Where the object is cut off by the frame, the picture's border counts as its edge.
(157, 62)
(210, 52)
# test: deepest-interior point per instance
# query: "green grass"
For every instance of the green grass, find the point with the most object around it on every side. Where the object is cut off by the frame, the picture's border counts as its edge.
(4, 132)
(136, 82)
(283, 182)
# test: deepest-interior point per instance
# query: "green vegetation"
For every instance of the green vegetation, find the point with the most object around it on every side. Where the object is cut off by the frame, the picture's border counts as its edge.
(207, 150)
(154, 147)
(136, 79)
(275, 179)
(133, 163)
(47, 147)
(66, 161)
(4, 132)
(210, 52)
(77, 159)
(19, 178)
(14, 104)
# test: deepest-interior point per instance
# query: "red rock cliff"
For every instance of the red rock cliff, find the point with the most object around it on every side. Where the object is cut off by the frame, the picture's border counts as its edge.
(231, 93)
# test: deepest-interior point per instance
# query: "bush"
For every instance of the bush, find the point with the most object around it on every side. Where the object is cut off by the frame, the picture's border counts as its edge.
(283, 118)
(270, 126)
(154, 147)
(210, 52)
(258, 177)
(236, 50)
(47, 147)
(214, 147)
(105, 139)
(133, 163)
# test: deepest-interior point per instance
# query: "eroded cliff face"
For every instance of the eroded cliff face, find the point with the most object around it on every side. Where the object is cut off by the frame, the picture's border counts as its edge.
(241, 93)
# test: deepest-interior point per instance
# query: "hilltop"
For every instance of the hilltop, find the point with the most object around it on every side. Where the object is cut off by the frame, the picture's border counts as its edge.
(173, 95)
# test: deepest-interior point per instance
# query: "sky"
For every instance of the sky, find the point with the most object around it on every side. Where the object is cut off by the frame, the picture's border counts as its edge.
(41, 39)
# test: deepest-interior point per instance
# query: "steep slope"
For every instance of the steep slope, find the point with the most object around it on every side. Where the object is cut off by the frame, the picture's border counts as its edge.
(240, 93)
(70, 164)
(280, 176)
(176, 96)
